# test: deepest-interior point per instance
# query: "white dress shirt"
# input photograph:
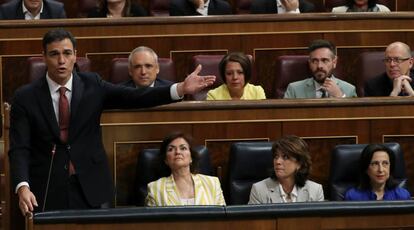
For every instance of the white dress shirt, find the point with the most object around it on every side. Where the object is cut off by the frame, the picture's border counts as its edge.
(281, 8)
(293, 195)
(203, 9)
(30, 16)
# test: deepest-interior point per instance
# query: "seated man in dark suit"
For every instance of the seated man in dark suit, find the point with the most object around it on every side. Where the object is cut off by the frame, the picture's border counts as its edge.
(32, 9)
(143, 68)
(281, 6)
(398, 77)
(199, 7)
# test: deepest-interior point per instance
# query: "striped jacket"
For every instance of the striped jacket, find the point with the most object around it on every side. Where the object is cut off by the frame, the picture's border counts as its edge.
(163, 192)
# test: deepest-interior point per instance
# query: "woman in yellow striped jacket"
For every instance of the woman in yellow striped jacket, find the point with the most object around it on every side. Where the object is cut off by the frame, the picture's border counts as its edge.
(183, 186)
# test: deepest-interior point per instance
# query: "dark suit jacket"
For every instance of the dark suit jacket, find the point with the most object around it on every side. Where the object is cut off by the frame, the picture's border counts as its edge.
(136, 11)
(14, 10)
(381, 86)
(270, 7)
(34, 131)
(158, 83)
(186, 8)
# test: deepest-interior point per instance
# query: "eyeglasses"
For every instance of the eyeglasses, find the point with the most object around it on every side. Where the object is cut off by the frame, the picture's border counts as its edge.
(376, 164)
(395, 60)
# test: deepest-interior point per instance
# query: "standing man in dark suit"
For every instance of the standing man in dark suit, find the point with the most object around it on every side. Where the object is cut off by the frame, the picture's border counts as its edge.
(199, 7)
(55, 125)
(281, 6)
(143, 68)
(398, 77)
(32, 9)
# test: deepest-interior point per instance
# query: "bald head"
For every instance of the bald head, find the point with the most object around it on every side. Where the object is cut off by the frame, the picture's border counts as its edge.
(398, 60)
(403, 48)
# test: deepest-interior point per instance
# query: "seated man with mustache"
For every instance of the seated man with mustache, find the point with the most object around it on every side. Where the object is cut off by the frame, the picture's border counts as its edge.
(323, 84)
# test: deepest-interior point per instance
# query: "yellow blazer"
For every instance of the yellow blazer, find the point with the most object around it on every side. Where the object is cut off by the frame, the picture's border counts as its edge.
(163, 192)
(250, 92)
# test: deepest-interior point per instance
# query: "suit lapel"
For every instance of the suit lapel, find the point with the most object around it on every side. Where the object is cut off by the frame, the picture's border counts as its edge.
(271, 6)
(46, 105)
(303, 194)
(173, 197)
(46, 12)
(211, 8)
(274, 191)
(19, 13)
(77, 91)
(336, 82)
(200, 196)
(309, 88)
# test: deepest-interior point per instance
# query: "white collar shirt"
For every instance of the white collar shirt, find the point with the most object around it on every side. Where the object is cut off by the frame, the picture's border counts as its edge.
(28, 15)
(203, 9)
(54, 93)
(293, 195)
(318, 90)
(281, 8)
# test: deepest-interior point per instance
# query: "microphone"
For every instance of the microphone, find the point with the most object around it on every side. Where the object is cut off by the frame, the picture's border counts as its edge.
(48, 176)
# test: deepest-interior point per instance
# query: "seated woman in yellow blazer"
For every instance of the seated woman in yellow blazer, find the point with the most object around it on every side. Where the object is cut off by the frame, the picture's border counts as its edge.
(184, 186)
(235, 70)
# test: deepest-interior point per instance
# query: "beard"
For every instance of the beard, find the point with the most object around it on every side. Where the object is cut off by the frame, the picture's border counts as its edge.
(320, 75)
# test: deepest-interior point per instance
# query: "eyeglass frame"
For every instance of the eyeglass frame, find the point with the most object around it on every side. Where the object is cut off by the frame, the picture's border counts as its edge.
(396, 60)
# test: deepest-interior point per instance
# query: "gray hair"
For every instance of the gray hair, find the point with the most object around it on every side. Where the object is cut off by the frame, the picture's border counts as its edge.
(143, 49)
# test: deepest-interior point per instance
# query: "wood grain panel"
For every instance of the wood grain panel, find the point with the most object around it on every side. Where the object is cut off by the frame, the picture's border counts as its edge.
(101, 63)
(14, 75)
(249, 224)
(265, 61)
(126, 155)
(388, 222)
(334, 221)
(320, 150)
(407, 146)
(183, 60)
(311, 223)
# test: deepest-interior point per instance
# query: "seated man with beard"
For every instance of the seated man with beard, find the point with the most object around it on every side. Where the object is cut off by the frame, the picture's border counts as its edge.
(323, 84)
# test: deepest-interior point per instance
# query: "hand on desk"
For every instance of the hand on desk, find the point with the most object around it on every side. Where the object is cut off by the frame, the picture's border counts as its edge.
(27, 200)
(402, 84)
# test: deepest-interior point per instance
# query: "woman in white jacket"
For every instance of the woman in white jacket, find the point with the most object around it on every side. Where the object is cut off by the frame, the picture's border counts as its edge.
(361, 6)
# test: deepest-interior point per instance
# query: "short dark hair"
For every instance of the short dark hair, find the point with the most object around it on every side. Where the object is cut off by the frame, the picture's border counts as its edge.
(57, 35)
(295, 147)
(240, 58)
(365, 160)
(170, 138)
(371, 3)
(321, 43)
(126, 11)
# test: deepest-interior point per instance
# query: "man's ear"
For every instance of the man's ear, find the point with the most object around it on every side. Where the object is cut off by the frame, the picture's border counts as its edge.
(129, 70)
(334, 61)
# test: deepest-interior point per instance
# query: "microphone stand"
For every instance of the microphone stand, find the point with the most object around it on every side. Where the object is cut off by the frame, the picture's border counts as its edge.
(48, 176)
